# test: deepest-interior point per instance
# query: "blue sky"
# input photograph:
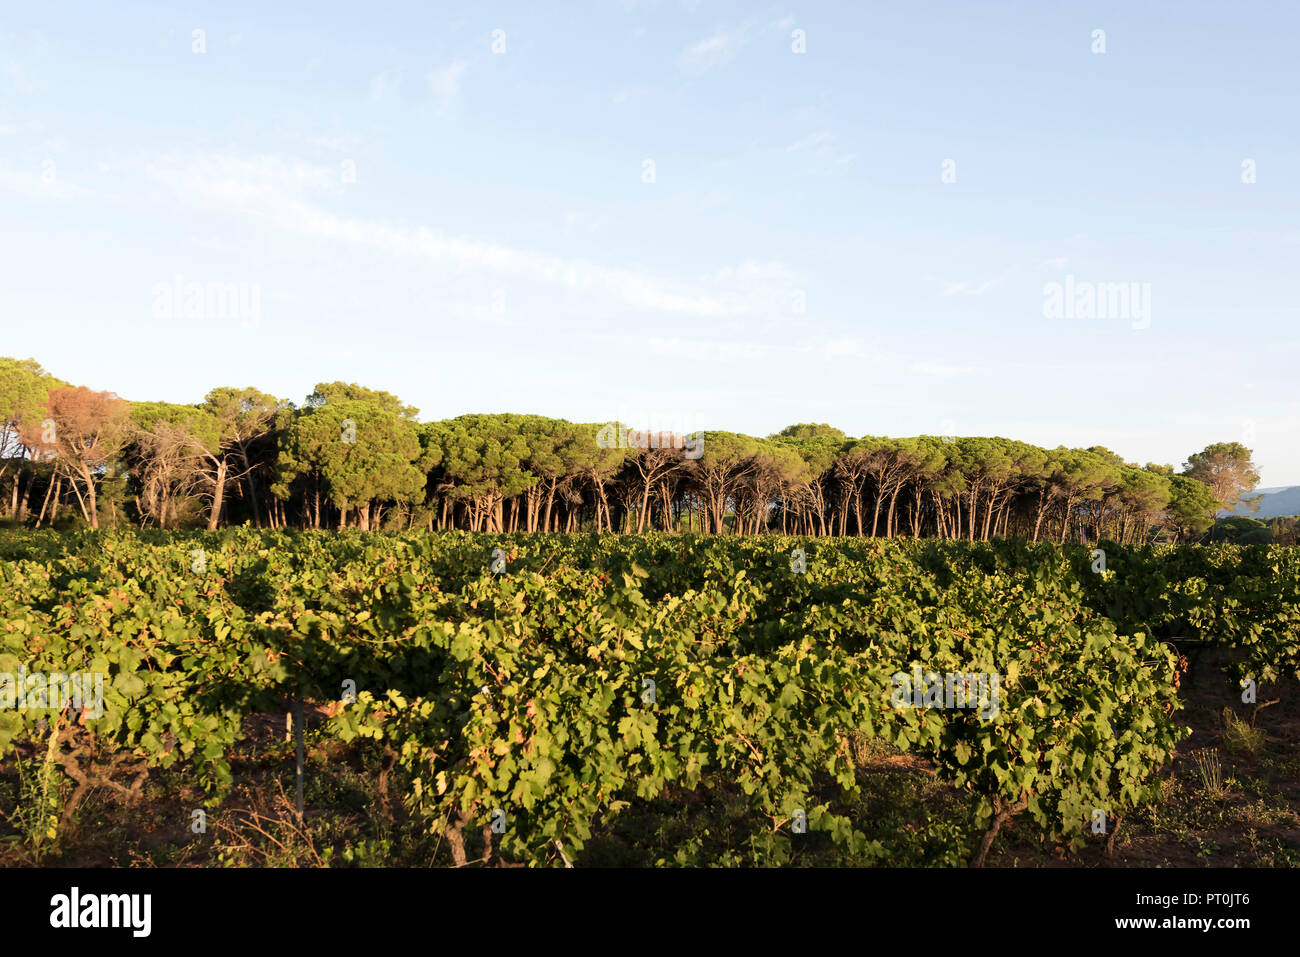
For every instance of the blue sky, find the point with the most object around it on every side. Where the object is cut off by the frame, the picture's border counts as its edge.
(473, 230)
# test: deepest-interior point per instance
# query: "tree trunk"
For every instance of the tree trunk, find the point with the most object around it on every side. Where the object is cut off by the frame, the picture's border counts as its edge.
(80, 501)
(1065, 519)
(889, 520)
(1001, 814)
(218, 495)
(91, 503)
(48, 490)
(25, 500)
(1038, 520)
(252, 489)
(550, 499)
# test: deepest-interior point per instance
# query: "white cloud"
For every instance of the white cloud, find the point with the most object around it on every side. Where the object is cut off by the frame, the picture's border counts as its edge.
(386, 83)
(272, 190)
(583, 221)
(844, 348)
(725, 43)
(243, 183)
(31, 185)
(751, 270)
(970, 287)
(822, 348)
(1058, 263)
(811, 141)
(444, 84)
(716, 50)
(17, 78)
(939, 370)
(340, 143)
(821, 147)
(712, 350)
(9, 126)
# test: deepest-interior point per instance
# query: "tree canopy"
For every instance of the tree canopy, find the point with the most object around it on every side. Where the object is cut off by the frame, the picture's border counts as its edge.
(356, 456)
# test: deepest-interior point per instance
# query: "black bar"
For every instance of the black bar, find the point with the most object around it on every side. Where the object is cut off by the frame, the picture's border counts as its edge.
(882, 905)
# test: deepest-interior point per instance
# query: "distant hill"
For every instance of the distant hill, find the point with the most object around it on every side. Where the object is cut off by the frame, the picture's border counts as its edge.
(1273, 503)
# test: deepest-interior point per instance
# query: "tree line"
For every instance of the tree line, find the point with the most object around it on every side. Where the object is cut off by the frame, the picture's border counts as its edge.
(350, 456)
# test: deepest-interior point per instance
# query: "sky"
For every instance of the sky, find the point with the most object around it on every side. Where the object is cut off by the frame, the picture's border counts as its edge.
(683, 213)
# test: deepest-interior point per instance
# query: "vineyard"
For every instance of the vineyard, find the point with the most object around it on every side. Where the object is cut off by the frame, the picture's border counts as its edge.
(553, 700)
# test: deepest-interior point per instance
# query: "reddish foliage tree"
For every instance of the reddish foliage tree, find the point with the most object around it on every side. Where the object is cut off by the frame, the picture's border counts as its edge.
(82, 430)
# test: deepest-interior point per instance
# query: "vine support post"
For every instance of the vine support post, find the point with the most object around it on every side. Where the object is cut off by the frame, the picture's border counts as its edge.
(297, 734)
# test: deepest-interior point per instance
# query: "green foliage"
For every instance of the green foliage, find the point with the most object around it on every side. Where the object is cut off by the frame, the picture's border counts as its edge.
(1238, 735)
(1210, 771)
(24, 387)
(528, 691)
(1191, 506)
(810, 430)
(327, 393)
(358, 451)
(1241, 531)
(492, 472)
